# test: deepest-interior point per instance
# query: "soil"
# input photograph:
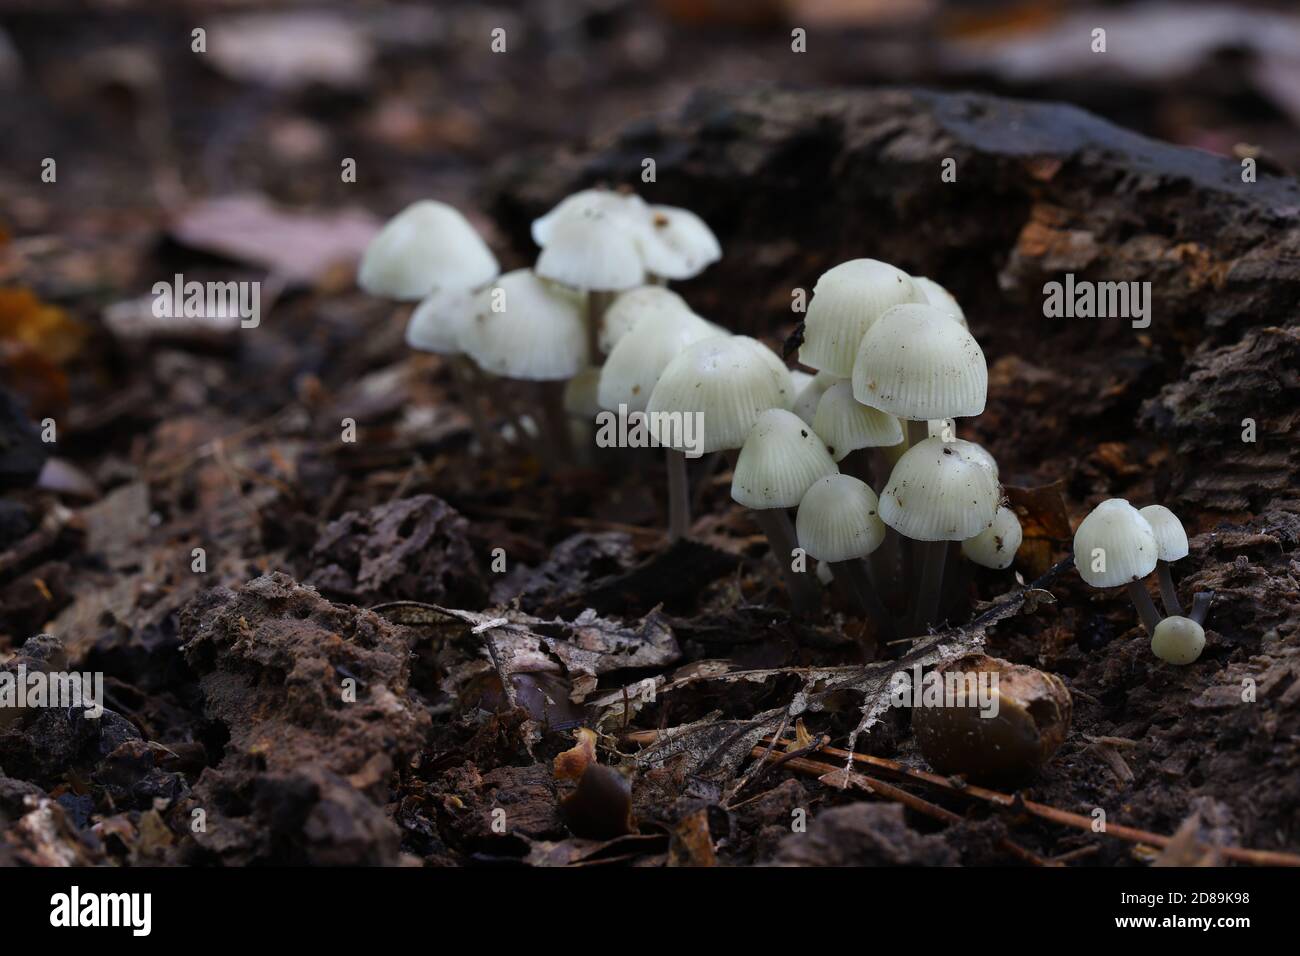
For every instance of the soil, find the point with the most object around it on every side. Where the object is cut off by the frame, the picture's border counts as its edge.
(373, 651)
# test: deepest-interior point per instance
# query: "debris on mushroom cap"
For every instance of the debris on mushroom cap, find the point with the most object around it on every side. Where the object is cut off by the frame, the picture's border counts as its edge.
(846, 301)
(917, 363)
(679, 244)
(537, 334)
(1114, 545)
(633, 368)
(1178, 640)
(939, 297)
(626, 208)
(729, 381)
(846, 425)
(426, 246)
(1033, 718)
(838, 520)
(439, 322)
(779, 461)
(592, 252)
(651, 302)
(808, 393)
(995, 547)
(935, 493)
(1171, 538)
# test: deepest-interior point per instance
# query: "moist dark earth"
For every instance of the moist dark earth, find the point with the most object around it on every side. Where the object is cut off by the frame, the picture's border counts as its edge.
(352, 679)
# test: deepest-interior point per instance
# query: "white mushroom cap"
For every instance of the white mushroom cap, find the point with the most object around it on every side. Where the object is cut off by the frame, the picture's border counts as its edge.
(679, 244)
(730, 381)
(917, 363)
(846, 301)
(438, 322)
(1125, 542)
(627, 208)
(538, 334)
(1178, 640)
(980, 456)
(996, 546)
(808, 394)
(939, 297)
(633, 368)
(837, 519)
(592, 251)
(652, 301)
(779, 461)
(1171, 538)
(580, 393)
(846, 425)
(427, 246)
(937, 494)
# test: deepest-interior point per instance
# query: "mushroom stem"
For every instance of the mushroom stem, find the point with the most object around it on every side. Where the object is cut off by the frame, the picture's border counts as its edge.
(462, 371)
(858, 464)
(805, 593)
(679, 500)
(933, 556)
(1168, 593)
(1201, 606)
(559, 445)
(917, 432)
(1146, 608)
(855, 575)
(596, 305)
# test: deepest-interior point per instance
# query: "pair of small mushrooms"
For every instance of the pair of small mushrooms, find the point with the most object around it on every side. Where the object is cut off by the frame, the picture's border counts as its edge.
(1117, 544)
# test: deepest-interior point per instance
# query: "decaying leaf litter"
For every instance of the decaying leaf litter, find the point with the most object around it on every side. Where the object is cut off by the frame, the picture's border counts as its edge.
(684, 659)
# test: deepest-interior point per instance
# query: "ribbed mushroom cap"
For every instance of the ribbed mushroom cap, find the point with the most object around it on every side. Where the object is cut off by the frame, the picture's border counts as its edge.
(427, 246)
(651, 302)
(917, 363)
(633, 368)
(730, 381)
(1178, 640)
(937, 494)
(779, 461)
(438, 322)
(846, 301)
(592, 251)
(996, 546)
(1171, 538)
(846, 425)
(628, 209)
(980, 456)
(678, 244)
(808, 394)
(837, 519)
(1125, 542)
(538, 335)
(939, 297)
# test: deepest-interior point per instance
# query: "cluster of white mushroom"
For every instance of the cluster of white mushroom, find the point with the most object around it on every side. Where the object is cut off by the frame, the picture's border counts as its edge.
(552, 323)
(1117, 544)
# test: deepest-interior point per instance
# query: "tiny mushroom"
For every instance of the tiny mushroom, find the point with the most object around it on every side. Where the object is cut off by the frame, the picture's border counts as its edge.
(679, 244)
(425, 247)
(939, 297)
(838, 523)
(1178, 640)
(995, 547)
(1171, 545)
(846, 425)
(780, 460)
(1115, 546)
(808, 393)
(652, 302)
(714, 389)
(935, 494)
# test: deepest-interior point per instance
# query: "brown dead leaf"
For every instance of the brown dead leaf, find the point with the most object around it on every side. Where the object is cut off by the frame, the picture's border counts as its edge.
(1043, 520)
(571, 764)
(692, 843)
